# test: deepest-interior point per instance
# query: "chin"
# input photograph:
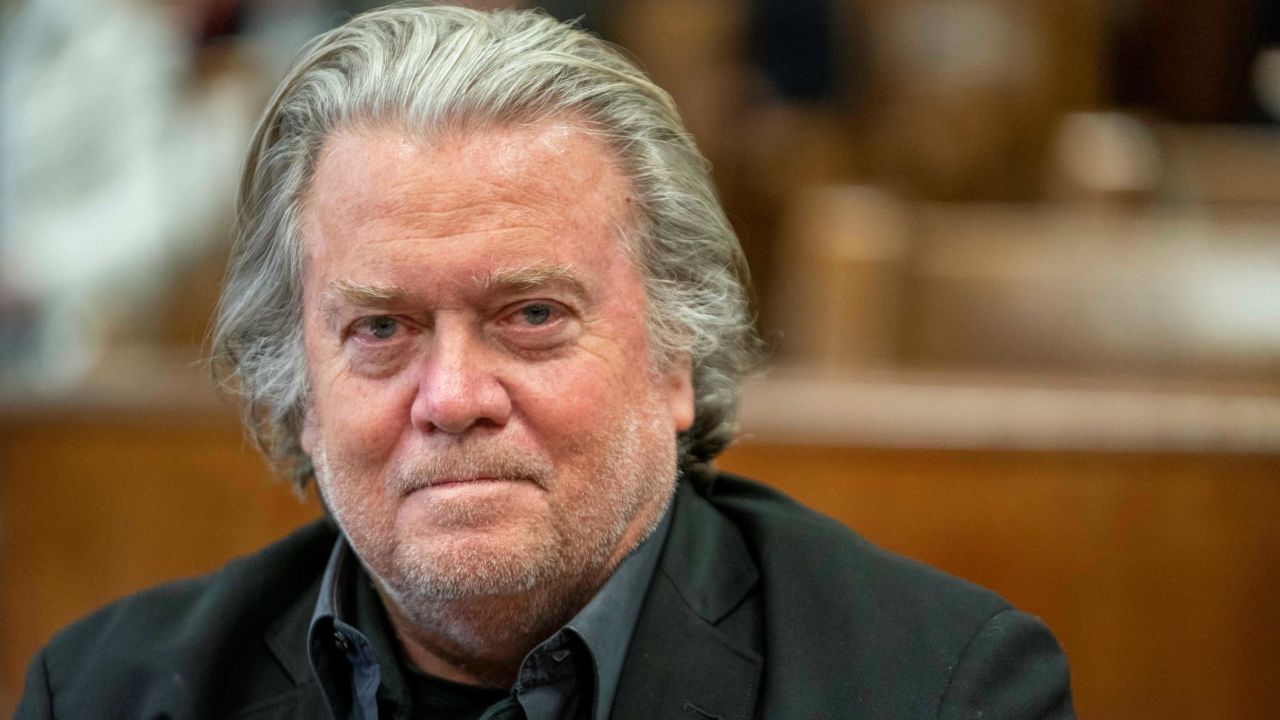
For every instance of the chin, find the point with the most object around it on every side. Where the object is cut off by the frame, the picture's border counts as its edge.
(471, 569)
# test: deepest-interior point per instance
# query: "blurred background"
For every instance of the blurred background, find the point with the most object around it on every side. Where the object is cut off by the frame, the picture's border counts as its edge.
(1018, 263)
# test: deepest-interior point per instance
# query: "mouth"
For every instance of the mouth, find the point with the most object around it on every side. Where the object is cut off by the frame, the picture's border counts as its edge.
(477, 468)
(446, 483)
(441, 482)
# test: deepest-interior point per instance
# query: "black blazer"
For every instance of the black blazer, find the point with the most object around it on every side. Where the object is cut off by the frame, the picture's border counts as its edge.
(759, 608)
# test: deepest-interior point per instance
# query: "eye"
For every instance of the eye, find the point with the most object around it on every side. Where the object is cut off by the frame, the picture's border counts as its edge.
(538, 324)
(381, 327)
(536, 313)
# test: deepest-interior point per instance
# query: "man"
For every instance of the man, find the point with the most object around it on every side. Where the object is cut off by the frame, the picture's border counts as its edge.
(483, 291)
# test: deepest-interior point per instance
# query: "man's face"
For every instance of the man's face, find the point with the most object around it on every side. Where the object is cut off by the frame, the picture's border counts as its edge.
(485, 417)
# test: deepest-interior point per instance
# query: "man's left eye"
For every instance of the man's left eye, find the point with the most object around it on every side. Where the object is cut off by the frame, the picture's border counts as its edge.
(536, 313)
(538, 324)
(379, 327)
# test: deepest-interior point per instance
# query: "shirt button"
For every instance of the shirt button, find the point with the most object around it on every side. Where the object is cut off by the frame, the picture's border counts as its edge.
(340, 641)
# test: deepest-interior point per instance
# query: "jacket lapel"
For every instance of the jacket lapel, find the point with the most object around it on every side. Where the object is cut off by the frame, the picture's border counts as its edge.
(694, 652)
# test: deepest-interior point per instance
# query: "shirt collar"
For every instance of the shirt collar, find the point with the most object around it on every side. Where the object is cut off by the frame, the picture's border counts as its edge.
(607, 622)
(342, 657)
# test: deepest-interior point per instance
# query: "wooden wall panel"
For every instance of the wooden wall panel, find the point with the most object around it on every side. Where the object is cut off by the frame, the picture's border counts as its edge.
(92, 510)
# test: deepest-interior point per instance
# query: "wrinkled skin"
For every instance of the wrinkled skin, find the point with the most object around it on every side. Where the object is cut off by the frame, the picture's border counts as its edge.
(488, 424)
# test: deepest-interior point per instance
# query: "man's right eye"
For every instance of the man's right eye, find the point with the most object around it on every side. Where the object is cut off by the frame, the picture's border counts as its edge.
(381, 327)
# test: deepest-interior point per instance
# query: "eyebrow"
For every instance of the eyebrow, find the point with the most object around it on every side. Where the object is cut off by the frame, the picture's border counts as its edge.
(374, 296)
(531, 276)
(360, 295)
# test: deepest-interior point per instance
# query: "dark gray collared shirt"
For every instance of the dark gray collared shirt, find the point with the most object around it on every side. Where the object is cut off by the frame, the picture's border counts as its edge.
(572, 675)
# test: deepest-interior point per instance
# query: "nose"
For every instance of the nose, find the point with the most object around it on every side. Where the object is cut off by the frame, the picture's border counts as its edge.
(459, 387)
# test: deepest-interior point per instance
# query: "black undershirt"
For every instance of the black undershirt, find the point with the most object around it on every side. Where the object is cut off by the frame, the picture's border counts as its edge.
(440, 699)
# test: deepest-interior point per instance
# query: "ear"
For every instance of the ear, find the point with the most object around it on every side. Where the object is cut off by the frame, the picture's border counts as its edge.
(678, 391)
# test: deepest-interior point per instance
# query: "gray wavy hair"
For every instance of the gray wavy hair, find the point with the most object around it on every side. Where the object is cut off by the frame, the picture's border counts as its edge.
(429, 69)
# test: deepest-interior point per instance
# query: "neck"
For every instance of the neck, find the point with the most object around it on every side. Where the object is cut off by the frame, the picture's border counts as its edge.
(482, 641)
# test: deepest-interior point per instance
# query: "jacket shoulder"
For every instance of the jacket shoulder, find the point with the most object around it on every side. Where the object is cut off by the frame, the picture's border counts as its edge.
(171, 646)
(789, 538)
(869, 630)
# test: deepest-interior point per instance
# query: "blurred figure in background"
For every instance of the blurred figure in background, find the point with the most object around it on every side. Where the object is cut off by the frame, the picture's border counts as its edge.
(121, 132)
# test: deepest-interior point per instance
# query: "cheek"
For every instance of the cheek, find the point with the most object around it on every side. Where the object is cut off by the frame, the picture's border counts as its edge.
(556, 410)
(570, 403)
(363, 420)
(354, 417)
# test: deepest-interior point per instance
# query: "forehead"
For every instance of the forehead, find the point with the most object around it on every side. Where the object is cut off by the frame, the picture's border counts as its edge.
(549, 187)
